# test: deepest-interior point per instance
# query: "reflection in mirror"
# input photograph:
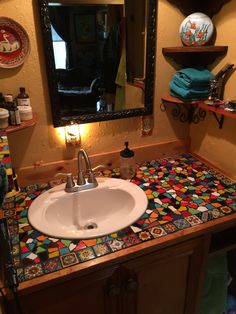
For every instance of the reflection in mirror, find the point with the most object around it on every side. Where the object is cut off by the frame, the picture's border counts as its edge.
(98, 58)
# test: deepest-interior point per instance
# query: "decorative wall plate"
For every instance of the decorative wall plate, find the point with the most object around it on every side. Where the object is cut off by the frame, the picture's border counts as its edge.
(14, 43)
(196, 29)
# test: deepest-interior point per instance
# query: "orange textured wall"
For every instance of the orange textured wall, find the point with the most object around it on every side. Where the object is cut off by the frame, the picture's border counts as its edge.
(42, 143)
(219, 146)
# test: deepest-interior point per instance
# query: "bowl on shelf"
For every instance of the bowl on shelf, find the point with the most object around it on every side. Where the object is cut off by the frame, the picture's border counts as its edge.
(196, 29)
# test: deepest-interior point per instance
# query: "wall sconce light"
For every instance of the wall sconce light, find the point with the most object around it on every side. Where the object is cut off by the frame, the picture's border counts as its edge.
(72, 135)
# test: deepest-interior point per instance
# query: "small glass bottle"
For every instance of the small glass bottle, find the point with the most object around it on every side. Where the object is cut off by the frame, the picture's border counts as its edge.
(127, 163)
(8, 98)
(2, 101)
(13, 110)
(214, 90)
(101, 103)
(23, 98)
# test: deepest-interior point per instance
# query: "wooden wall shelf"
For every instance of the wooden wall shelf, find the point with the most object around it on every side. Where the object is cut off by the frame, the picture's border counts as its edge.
(192, 56)
(218, 113)
(217, 110)
(209, 7)
(184, 111)
(24, 124)
(171, 99)
(192, 106)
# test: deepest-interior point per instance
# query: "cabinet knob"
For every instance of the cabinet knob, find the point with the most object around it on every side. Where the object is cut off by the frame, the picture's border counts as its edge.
(131, 284)
(113, 290)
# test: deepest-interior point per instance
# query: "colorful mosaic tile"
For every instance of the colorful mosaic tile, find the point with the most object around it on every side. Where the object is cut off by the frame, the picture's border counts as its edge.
(182, 224)
(182, 192)
(193, 220)
(52, 265)
(33, 271)
(145, 235)
(69, 259)
(86, 254)
(116, 244)
(101, 249)
(157, 232)
(169, 228)
(131, 240)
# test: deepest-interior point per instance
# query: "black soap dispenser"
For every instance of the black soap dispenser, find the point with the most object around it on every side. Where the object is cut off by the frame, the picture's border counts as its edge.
(127, 163)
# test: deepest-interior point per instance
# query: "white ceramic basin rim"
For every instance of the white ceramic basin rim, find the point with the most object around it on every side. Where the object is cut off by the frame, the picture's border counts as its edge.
(112, 206)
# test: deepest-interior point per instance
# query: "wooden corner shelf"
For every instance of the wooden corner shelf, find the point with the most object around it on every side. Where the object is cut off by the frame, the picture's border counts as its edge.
(184, 111)
(218, 113)
(23, 125)
(171, 99)
(209, 7)
(192, 56)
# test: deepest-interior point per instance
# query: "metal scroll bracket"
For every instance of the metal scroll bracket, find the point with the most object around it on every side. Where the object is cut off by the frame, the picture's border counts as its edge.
(185, 112)
(219, 120)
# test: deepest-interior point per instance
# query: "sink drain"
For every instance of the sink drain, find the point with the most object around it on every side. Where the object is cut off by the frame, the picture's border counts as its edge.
(90, 225)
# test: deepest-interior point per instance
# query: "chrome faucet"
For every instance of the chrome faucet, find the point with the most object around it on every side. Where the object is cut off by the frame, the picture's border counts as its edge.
(90, 181)
(86, 179)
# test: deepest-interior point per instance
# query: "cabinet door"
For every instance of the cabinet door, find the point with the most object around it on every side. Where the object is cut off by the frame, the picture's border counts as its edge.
(164, 282)
(98, 292)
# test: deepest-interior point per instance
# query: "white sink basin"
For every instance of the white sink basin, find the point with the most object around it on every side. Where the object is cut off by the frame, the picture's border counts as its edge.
(113, 205)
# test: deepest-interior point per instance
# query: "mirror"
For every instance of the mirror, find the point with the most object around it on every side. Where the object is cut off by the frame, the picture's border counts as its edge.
(100, 58)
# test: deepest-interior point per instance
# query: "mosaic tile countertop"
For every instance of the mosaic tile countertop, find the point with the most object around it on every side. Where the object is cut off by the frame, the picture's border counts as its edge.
(182, 192)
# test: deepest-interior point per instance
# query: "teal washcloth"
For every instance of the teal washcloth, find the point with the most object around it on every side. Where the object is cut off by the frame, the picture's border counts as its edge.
(190, 77)
(187, 94)
(3, 183)
(214, 295)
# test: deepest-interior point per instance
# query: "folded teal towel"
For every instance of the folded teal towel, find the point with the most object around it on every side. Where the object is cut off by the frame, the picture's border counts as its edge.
(190, 77)
(179, 80)
(187, 94)
(196, 89)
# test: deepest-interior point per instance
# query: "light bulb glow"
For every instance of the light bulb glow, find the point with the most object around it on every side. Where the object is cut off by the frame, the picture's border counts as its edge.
(72, 135)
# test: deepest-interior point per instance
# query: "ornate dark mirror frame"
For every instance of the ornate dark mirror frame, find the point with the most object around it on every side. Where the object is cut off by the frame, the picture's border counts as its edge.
(59, 120)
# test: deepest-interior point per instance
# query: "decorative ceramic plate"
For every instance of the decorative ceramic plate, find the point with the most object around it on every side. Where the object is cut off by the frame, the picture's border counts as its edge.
(196, 29)
(14, 43)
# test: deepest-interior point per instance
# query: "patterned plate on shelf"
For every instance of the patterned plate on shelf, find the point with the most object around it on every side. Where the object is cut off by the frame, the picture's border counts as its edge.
(14, 43)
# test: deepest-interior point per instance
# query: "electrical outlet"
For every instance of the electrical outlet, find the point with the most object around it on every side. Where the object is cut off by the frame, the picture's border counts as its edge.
(147, 124)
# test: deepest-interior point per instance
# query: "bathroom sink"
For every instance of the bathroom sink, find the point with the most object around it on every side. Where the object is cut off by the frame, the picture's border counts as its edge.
(113, 205)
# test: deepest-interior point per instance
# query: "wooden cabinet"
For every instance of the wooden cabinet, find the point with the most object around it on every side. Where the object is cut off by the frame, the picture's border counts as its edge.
(166, 281)
(94, 293)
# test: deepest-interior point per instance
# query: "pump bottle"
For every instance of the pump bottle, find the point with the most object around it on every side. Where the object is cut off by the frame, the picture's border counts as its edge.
(127, 163)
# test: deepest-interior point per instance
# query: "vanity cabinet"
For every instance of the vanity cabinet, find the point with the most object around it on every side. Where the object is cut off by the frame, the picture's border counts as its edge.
(167, 281)
(96, 292)
(164, 281)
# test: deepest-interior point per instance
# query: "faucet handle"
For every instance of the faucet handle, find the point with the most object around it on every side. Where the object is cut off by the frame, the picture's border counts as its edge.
(100, 167)
(69, 180)
(100, 170)
(92, 179)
